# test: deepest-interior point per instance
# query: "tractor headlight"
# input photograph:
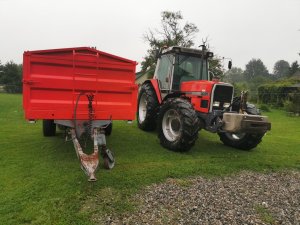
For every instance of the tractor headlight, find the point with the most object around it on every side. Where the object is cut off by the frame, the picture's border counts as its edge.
(226, 105)
(216, 104)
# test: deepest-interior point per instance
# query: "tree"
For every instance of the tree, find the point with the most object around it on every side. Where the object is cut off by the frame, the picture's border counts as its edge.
(11, 77)
(216, 67)
(293, 68)
(172, 33)
(1, 71)
(234, 75)
(281, 69)
(255, 68)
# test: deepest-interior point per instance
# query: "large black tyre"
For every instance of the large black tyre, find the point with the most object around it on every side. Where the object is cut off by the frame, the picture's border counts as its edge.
(49, 128)
(108, 129)
(244, 141)
(250, 108)
(178, 125)
(147, 108)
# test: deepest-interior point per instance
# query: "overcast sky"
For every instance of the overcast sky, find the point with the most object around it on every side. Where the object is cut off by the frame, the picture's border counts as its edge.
(239, 29)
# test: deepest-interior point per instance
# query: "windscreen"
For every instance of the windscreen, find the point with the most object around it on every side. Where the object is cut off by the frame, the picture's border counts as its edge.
(188, 68)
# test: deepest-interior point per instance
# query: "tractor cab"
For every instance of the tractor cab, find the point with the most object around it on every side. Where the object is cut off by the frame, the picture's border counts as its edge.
(178, 64)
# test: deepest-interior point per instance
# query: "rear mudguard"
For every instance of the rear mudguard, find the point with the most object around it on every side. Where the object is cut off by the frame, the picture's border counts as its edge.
(155, 85)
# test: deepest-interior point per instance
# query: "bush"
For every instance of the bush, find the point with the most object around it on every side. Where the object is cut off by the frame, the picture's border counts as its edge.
(276, 93)
(288, 106)
(239, 87)
(293, 103)
(264, 108)
(11, 77)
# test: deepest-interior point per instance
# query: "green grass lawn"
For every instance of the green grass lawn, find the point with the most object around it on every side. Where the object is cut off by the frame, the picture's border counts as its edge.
(41, 181)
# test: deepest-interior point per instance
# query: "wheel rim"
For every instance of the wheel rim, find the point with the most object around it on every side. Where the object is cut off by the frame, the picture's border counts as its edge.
(142, 108)
(171, 125)
(235, 136)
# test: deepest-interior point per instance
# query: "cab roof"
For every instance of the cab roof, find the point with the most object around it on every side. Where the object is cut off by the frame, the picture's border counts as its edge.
(184, 50)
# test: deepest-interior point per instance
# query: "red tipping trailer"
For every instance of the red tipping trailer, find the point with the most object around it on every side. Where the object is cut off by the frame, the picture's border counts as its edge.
(53, 79)
(81, 89)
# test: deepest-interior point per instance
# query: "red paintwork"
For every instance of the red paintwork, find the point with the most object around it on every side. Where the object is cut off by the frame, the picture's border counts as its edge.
(52, 80)
(154, 83)
(198, 91)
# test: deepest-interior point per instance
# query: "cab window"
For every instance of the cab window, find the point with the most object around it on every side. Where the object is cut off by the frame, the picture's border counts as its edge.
(164, 71)
(188, 68)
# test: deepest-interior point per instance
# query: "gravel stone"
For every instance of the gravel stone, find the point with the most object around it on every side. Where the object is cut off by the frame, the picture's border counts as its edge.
(246, 198)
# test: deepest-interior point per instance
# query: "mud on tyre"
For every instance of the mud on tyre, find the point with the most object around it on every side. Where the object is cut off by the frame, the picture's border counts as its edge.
(178, 124)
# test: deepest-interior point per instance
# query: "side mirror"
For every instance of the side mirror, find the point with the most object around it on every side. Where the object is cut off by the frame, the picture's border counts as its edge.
(229, 65)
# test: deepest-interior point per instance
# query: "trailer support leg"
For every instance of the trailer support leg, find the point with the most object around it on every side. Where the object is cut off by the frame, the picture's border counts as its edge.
(89, 163)
(108, 158)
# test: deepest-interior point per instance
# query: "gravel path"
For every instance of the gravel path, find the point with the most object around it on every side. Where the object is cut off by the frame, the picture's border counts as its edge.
(246, 198)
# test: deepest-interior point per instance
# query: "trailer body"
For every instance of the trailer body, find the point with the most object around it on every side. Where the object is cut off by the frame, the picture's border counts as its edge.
(55, 82)
(82, 90)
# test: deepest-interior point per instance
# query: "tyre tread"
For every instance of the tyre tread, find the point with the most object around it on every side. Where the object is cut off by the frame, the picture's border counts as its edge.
(49, 128)
(149, 123)
(191, 124)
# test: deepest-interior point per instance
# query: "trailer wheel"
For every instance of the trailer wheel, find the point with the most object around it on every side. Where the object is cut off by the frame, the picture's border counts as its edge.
(49, 128)
(178, 125)
(147, 108)
(108, 129)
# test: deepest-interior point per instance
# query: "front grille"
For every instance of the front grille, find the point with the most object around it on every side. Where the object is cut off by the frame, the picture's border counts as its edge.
(204, 104)
(222, 94)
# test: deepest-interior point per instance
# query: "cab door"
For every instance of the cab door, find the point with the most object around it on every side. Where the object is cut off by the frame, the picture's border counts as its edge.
(164, 72)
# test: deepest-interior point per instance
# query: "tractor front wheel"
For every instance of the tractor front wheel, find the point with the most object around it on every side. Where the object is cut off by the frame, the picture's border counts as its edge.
(244, 141)
(147, 108)
(178, 125)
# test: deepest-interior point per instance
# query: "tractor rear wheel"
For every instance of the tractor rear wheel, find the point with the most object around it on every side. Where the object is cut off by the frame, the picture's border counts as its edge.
(147, 108)
(49, 128)
(178, 125)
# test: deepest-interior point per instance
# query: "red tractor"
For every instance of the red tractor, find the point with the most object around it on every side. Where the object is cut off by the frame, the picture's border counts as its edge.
(183, 98)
